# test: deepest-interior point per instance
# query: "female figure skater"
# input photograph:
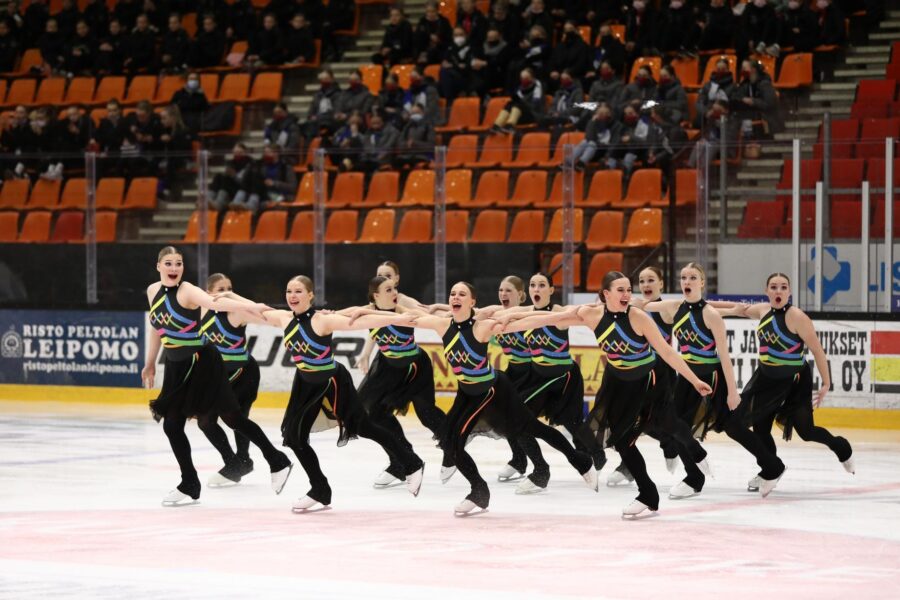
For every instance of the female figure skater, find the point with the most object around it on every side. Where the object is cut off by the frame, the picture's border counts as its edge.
(227, 333)
(554, 388)
(194, 381)
(400, 375)
(323, 388)
(631, 392)
(486, 400)
(781, 387)
(702, 340)
(514, 345)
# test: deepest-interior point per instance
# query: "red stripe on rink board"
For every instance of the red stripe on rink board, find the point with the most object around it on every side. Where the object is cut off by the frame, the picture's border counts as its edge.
(886, 342)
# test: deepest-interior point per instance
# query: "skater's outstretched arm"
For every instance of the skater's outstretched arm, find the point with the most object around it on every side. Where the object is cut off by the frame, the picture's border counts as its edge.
(369, 319)
(533, 320)
(644, 325)
(666, 308)
(799, 322)
(435, 323)
(189, 294)
(716, 324)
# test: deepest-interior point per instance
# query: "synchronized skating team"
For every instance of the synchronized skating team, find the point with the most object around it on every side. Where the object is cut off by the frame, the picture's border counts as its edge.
(648, 387)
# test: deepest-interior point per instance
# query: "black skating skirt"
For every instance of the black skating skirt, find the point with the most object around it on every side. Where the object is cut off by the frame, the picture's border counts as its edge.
(195, 386)
(560, 399)
(625, 409)
(703, 413)
(332, 403)
(786, 398)
(499, 412)
(245, 383)
(518, 373)
(391, 389)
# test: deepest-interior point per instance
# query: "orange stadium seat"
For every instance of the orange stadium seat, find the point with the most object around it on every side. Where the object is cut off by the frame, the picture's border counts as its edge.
(69, 227)
(302, 228)
(36, 227)
(142, 87)
(415, 227)
(555, 199)
(21, 92)
(458, 186)
(306, 191)
(601, 264)
(490, 227)
(235, 227)
(342, 226)
(266, 88)
(235, 87)
(402, 72)
(51, 92)
(572, 137)
(492, 189)
(348, 190)
(556, 269)
(796, 72)
(106, 226)
(74, 194)
(493, 108)
(192, 233)
(457, 226)
(14, 193)
(378, 226)
(419, 189)
(534, 149)
(711, 66)
(9, 226)
(527, 227)
(371, 77)
(531, 189)
(654, 63)
(605, 190)
(168, 85)
(141, 193)
(463, 149)
(463, 115)
(271, 227)
(605, 230)
(44, 194)
(30, 58)
(687, 70)
(383, 189)
(495, 151)
(110, 192)
(645, 187)
(80, 91)
(555, 231)
(644, 228)
(110, 87)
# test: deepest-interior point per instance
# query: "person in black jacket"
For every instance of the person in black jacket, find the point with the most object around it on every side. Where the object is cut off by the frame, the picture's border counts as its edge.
(678, 30)
(490, 63)
(9, 48)
(472, 21)
(321, 114)
(192, 102)
(416, 143)
(640, 29)
(14, 21)
(718, 24)
(299, 43)
(397, 44)
(506, 21)
(209, 45)
(525, 106)
(96, 14)
(176, 43)
(534, 54)
(719, 88)
(562, 112)
(608, 50)
(38, 146)
(35, 22)
(338, 15)
(536, 15)
(140, 52)
(12, 141)
(454, 78)
(433, 35)
(127, 11)
(570, 53)
(53, 47)
(82, 51)
(639, 91)
(111, 50)
(602, 134)
(266, 44)
(237, 19)
(832, 30)
(798, 27)
(73, 132)
(755, 99)
(67, 17)
(758, 29)
(390, 102)
(144, 128)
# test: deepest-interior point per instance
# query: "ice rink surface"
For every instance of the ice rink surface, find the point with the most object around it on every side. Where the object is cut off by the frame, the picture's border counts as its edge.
(80, 517)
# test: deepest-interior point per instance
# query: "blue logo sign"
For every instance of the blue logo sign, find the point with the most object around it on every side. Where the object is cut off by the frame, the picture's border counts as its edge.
(835, 273)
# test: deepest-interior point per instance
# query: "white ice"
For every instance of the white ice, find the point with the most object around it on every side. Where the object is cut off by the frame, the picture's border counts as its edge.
(80, 517)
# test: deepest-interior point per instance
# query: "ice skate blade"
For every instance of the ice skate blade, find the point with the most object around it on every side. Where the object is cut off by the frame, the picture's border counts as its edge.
(681, 490)
(176, 498)
(314, 509)
(647, 514)
(528, 487)
(467, 508)
(386, 480)
(387, 486)
(509, 473)
(517, 477)
(447, 473)
(224, 484)
(308, 505)
(414, 481)
(753, 484)
(637, 510)
(279, 478)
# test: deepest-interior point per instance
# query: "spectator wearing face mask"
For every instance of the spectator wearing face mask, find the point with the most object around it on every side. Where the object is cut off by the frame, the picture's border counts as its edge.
(798, 27)
(300, 44)
(712, 133)
(191, 100)
(397, 44)
(379, 143)
(717, 23)
(490, 63)
(470, 19)
(390, 101)
(718, 88)
(570, 53)
(355, 99)
(608, 50)
(416, 144)
(642, 139)
(38, 146)
(508, 22)
(639, 91)
(608, 86)
(432, 35)
(601, 134)
(423, 93)
(534, 54)
(672, 99)
(757, 30)
(640, 29)
(345, 146)
(562, 111)
(526, 105)
(283, 130)
(320, 116)
(754, 99)
(678, 30)
(454, 78)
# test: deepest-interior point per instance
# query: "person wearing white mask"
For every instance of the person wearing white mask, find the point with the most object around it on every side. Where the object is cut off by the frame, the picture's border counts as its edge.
(416, 143)
(192, 102)
(454, 78)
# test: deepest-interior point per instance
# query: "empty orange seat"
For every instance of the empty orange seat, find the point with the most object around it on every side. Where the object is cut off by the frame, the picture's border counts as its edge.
(644, 228)
(527, 227)
(687, 69)
(110, 192)
(534, 149)
(235, 227)
(74, 194)
(555, 199)
(45, 194)
(378, 226)
(142, 87)
(51, 92)
(606, 188)
(271, 227)
(110, 87)
(493, 108)
(458, 187)
(348, 190)
(141, 194)
(383, 189)
(371, 76)
(69, 227)
(605, 230)
(14, 193)
(209, 83)
(21, 92)
(168, 85)
(490, 226)
(601, 264)
(306, 191)
(9, 226)
(235, 87)
(796, 71)
(36, 227)
(106, 226)
(341, 228)
(686, 187)
(80, 91)
(463, 115)
(192, 234)
(415, 227)
(30, 58)
(266, 88)
(419, 189)
(531, 189)
(645, 187)
(457, 226)
(555, 231)
(463, 149)
(302, 231)
(496, 151)
(556, 269)
(493, 188)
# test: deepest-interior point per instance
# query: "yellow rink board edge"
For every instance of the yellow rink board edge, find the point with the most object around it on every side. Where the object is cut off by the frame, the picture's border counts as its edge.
(826, 417)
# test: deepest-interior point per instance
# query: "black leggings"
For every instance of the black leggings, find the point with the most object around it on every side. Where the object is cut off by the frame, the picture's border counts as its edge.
(803, 424)
(581, 436)
(173, 426)
(219, 440)
(393, 447)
